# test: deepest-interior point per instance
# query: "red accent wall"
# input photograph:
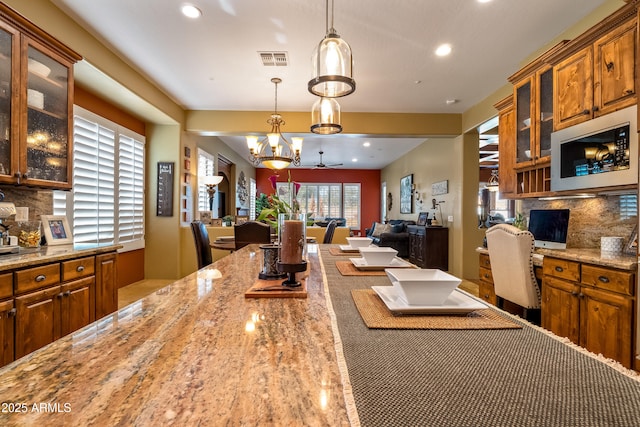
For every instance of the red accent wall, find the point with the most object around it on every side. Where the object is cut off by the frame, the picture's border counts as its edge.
(369, 181)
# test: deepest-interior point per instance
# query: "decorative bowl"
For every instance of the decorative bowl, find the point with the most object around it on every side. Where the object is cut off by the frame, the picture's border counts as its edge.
(38, 68)
(423, 287)
(359, 242)
(374, 255)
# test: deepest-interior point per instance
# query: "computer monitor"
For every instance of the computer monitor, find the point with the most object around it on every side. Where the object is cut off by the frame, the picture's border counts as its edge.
(549, 227)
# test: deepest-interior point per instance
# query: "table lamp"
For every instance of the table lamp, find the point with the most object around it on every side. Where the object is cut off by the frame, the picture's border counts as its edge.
(210, 181)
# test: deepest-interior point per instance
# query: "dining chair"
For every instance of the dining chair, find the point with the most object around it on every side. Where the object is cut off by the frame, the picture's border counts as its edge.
(331, 228)
(203, 248)
(251, 232)
(511, 256)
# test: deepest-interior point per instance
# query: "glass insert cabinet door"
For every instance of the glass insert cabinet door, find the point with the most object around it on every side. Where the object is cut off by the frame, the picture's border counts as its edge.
(47, 133)
(9, 53)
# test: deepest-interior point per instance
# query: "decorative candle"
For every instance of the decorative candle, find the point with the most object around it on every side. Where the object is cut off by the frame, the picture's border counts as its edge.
(292, 243)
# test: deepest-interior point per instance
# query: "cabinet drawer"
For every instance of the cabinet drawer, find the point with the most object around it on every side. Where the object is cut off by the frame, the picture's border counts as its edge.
(563, 269)
(485, 275)
(37, 277)
(484, 261)
(6, 285)
(611, 280)
(77, 268)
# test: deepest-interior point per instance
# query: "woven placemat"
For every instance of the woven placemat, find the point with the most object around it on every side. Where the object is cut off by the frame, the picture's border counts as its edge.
(376, 315)
(346, 268)
(338, 251)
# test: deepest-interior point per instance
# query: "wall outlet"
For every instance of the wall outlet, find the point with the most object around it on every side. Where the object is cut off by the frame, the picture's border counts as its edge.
(450, 218)
(22, 214)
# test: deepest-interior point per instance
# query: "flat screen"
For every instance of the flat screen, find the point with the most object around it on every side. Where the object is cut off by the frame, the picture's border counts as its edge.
(549, 227)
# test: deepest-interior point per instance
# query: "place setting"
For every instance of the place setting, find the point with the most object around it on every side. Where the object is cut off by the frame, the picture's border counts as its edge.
(353, 246)
(373, 261)
(424, 299)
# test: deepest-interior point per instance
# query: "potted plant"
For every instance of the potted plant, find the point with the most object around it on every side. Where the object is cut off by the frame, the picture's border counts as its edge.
(227, 219)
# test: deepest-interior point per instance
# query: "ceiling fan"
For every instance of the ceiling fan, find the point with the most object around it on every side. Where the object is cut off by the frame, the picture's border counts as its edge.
(321, 165)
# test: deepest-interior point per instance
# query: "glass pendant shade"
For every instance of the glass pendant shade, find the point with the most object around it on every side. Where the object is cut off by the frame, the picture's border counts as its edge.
(325, 117)
(332, 68)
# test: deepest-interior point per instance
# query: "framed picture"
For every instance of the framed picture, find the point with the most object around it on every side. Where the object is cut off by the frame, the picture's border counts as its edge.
(422, 218)
(205, 217)
(406, 194)
(241, 219)
(440, 187)
(216, 222)
(56, 230)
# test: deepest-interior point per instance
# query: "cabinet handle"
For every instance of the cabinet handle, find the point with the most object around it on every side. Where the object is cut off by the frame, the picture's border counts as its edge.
(586, 112)
(628, 91)
(595, 108)
(574, 293)
(580, 295)
(486, 276)
(80, 268)
(12, 312)
(60, 295)
(67, 293)
(603, 279)
(18, 175)
(609, 66)
(40, 278)
(559, 269)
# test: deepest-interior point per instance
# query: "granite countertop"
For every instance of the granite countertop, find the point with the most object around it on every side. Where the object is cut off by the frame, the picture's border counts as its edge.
(28, 257)
(587, 255)
(196, 352)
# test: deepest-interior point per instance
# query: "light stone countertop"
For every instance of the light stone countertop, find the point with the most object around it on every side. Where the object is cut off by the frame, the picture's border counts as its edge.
(196, 352)
(587, 255)
(28, 257)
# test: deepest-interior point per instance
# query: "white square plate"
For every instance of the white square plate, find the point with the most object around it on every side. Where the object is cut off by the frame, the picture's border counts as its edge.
(347, 248)
(361, 264)
(459, 302)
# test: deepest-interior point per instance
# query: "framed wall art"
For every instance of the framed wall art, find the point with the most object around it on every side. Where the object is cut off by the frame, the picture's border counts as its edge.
(406, 194)
(440, 187)
(56, 230)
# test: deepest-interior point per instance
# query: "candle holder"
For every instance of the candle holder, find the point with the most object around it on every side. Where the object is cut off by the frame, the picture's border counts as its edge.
(292, 232)
(270, 263)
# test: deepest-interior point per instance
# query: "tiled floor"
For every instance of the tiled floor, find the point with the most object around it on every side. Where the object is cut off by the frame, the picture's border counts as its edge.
(137, 290)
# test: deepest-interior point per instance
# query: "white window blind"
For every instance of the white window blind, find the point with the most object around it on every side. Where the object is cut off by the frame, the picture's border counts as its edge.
(206, 164)
(252, 198)
(107, 201)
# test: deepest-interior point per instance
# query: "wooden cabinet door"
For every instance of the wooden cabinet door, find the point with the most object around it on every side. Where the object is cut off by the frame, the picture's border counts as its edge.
(37, 320)
(106, 285)
(77, 305)
(573, 85)
(507, 148)
(606, 324)
(7, 325)
(614, 72)
(560, 309)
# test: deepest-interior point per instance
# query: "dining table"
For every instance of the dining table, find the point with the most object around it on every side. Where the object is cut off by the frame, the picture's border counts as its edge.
(201, 351)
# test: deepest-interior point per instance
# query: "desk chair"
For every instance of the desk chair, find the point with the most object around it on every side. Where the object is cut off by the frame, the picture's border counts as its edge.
(511, 256)
(331, 228)
(203, 248)
(251, 232)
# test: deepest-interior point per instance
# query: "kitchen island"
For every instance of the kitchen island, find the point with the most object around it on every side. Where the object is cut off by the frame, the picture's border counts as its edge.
(199, 353)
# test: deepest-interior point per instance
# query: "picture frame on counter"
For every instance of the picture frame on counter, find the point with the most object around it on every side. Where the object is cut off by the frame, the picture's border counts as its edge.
(632, 244)
(216, 222)
(56, 230)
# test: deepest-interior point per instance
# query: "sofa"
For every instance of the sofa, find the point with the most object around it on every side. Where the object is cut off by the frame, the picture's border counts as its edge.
(342, 222)
(394, 235)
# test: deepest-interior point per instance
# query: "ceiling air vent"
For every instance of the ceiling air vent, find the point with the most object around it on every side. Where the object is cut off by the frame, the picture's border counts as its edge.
(270, 59)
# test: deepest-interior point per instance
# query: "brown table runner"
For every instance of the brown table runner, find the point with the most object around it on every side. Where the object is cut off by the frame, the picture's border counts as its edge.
(346, 268)
(376, 315)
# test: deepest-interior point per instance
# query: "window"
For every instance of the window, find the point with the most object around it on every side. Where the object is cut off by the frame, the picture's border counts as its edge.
(106, 204)
(206, 167)
(252, 198)
(327, 200)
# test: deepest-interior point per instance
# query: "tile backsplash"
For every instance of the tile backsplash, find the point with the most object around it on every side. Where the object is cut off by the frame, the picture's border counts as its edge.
(591, 219)
(39, 202)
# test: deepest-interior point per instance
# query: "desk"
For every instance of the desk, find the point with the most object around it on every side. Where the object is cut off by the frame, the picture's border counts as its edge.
(197, 352)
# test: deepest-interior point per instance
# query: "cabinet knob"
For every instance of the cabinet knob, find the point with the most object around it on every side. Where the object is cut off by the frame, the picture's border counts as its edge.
(586, 111)
(603, 279)
(12, 312)
(40, 278)
(67, 293)
(559, 269)
(574, 293)
(80, 268)
(609, 66)
(595, 108)
(628, 91)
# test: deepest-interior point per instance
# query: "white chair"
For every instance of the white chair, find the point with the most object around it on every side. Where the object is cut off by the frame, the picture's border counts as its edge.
(511, 256)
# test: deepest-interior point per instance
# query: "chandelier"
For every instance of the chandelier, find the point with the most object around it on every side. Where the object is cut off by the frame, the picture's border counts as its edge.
(332, 64)
(274, 151)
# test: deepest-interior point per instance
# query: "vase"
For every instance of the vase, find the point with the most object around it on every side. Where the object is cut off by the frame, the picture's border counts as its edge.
(270, 263)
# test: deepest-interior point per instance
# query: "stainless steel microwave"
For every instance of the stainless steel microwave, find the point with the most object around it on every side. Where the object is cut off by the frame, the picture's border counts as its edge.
(602, 152)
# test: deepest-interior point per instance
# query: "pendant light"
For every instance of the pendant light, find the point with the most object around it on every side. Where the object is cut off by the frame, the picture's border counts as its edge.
(325, 116)
(332, 64)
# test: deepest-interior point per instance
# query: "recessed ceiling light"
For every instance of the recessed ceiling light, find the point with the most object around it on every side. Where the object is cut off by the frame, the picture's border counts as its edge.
(451, 101)
(484, 1)
(366, 144)
(190, 11)
(443, 49)
(354, 160)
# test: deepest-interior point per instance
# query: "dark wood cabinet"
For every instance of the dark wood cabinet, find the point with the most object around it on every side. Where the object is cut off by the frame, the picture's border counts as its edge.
(486, 289)
(7, 326)
(37, 320)
(429, 247)
(77, 308)
(106, 284)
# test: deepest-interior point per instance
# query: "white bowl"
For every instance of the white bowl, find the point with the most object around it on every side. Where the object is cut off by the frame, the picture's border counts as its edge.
(38, 68)
(374, 255)
(527, 122)
(527, 153)
(359, 242)
(422, 287)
